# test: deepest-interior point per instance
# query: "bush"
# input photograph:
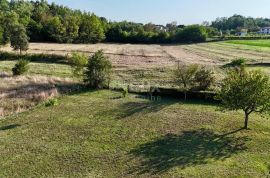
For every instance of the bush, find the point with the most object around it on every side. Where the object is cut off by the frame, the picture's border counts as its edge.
(52, 102)
(237, 63)
(78, 62)
(125, 92)
(204, 78)
(98, 71)
(21, 67)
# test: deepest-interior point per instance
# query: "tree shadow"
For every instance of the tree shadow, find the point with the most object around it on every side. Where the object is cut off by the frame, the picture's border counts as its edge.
(187, 149)
(9, 127)
(151, 106)
(130, 108)
(264, 64)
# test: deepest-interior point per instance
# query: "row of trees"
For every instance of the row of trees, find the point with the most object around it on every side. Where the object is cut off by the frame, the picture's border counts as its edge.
(237, 22)
(44, 22)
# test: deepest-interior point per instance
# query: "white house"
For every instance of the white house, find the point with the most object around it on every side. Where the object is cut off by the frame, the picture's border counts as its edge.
(243, 32)
(265, 30)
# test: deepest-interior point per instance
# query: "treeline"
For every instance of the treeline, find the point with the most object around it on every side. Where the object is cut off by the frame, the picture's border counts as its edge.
(44, 22)
(236, 23)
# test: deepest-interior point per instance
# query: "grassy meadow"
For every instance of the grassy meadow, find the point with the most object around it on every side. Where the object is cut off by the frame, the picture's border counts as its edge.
(260, 43)
(99, 134)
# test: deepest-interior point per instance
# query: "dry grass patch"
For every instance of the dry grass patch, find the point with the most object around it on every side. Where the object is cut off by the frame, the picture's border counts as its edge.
(23, 92)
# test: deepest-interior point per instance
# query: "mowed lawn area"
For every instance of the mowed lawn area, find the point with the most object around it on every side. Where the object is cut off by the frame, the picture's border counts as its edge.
(261, 43)
(99, 134)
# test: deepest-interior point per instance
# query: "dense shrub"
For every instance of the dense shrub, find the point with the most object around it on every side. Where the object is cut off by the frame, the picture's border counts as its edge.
(21, 67)
(193, 33)
(78, 62)
(204, 79)
(236, 63)
(98, 71)
(125, 92)
(51, 102)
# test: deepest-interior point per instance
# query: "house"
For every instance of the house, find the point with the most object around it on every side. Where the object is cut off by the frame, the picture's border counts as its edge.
(265, 31)
(161, 28)
(242, 32)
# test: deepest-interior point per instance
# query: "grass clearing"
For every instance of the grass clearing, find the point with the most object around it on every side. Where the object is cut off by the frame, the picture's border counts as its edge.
(261, 43)
(93, 134)
(45, 69)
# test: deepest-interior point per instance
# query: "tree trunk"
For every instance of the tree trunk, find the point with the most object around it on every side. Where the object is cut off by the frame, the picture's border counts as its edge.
(185, 93)
(246, 120)
(20, 53)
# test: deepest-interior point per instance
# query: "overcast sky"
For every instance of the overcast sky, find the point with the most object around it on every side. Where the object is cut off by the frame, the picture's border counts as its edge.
(163, 11)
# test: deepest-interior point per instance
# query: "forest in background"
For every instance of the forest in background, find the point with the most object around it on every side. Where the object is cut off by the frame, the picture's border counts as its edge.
(44, 22)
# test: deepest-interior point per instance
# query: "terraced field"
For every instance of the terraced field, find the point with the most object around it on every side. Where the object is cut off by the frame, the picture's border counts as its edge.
(226, 51)
(138, 64)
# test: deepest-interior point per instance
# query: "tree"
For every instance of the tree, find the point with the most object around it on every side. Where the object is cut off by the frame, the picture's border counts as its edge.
(19, 38)
(247, 91)
(184, 77)
(193, 33)
(54, 29)
(72, 28)
(91, 29)
(23, 9)
(8, 21)
(98, 71)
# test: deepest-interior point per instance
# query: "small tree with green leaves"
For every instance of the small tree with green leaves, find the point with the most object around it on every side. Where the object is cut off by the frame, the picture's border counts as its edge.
(19, 38)
(98, 71)
(247, 91)
(185, 76)
(78, 62)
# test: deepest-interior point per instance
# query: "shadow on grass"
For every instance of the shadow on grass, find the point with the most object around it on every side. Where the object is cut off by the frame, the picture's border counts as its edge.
(9, 127)
(130, 108)
(147, 106)
(259, 65)
(38, 58)
(190, 148)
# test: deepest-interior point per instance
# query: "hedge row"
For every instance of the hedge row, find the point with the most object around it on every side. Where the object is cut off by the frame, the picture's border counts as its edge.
(45, 58)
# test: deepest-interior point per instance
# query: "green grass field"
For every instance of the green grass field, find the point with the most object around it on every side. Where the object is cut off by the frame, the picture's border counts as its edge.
(260, 43)
(98, 134)
(45, 69)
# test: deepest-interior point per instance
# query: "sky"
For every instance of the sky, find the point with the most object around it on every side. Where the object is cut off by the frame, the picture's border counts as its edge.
(164, 11)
